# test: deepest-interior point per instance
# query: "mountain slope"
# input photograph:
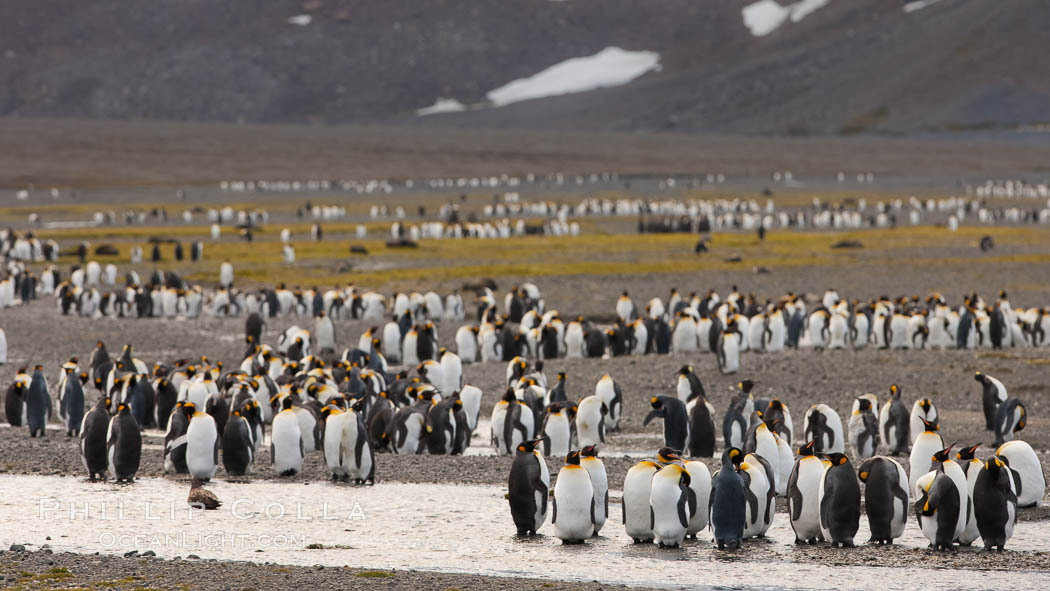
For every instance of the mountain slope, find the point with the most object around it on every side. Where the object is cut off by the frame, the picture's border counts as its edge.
(850, 66)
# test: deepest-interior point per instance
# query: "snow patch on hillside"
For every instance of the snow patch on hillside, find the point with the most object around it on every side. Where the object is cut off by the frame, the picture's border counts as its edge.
(765, 16)
(919, 5)
(611, 66)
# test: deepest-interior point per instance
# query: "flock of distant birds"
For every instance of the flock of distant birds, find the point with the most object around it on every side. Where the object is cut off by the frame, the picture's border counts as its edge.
(353, 405)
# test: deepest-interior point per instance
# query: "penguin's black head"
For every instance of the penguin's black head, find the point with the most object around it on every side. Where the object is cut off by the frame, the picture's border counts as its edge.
(509, 395)
(807, 449)
(895, 390)
(668, 455)
(527, 447)
(561, 376)
(188, 408)
(978, 376)
(944, 455)
(589, 451)
(837, 459)
(746, 386)
(733, 455)
(967, 453)
(863, 404)
(685, 370)
(994, 465)
(926, 404)
(656, 403)
(286, 403)
(573, 459)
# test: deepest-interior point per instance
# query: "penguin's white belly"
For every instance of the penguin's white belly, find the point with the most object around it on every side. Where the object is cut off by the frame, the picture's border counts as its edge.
(664, 496)
(600, 485)
(837, 329)
(756, 522)
(777, 334)
(755, 331)
(466, 347)
(683, 340)
(306, 427)
(414, 434)
(921, 453)
(700, 482)
(286, 440)
(557, 430)
(574, 496)
(785, 461)
(201, 437)
(333, 440)
(470, 396)
(1023, 459)
(574, 341)
(730, 354)
(810, 473)
(636, 490)
(359, 468)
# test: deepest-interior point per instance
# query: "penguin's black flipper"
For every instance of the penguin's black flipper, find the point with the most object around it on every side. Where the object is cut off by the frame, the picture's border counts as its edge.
(554, 510)
(215, 452)
(825, 501)
(538, 486)
(652, 517)
(593, 521)
(749, 497)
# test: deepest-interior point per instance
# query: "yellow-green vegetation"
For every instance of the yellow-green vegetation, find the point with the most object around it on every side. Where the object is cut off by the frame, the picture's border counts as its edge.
(374, 574)
(599, 251)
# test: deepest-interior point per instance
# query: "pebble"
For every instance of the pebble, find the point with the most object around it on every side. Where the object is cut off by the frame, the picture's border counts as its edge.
(18, 548)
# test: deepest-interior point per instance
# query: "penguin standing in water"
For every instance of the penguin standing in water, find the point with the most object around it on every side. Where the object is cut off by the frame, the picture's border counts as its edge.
(993, 393)
(700, 484)
(728, 501)
(995, 504)
(954, 471)
(863, 429)
(73, 402)
(202, 445)
(676, 421)
(528, 486)
(803, 494)
(760, 493)
(671, 503)
(572, 508)
(286, 441)
(928, 443)
(512, 422)
(971, 466)
(839, 502)
(599, 482)
(123, 445)
(93, 433)
(894, 423)
(238, 441)
(37, 403)
(175, 438)
(637, 486)
(937, 509)
(885, 498)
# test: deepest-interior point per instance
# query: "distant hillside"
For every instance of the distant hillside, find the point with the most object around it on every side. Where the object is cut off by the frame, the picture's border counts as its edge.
(820, 67)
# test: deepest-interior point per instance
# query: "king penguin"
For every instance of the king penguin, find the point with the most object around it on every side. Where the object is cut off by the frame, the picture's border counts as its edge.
(728, 502)
(37, 403)
(175, 438)
(1022, 459)
(93, 432)
(839, 502)
(599, 482)
(286, 441)
(937, 508)
(637, 486)
(700, 483)
(993, 393)
(894, 423)
(971, 466)
(572, 508)
(671, 504)
(823, 426)
(528, 488)
(995, 504)
(676, 421)
(123, 445)
(885, 498)
(928, 443)
(202, 446)
(803, 495)
(923, 409)
(238, 441)
(735, 421)
(863, 429)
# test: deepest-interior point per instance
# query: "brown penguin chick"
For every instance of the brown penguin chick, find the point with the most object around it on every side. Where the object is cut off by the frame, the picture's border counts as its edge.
(200, 497)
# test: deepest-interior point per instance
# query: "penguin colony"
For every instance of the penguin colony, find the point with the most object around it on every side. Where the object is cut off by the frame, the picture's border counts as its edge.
(956, 497)
(355, 406)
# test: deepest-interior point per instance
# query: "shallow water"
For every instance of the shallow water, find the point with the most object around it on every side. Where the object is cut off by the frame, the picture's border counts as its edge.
(429, 527)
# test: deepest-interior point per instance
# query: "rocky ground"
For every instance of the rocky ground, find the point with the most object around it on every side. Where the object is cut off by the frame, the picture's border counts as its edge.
(43, 569)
